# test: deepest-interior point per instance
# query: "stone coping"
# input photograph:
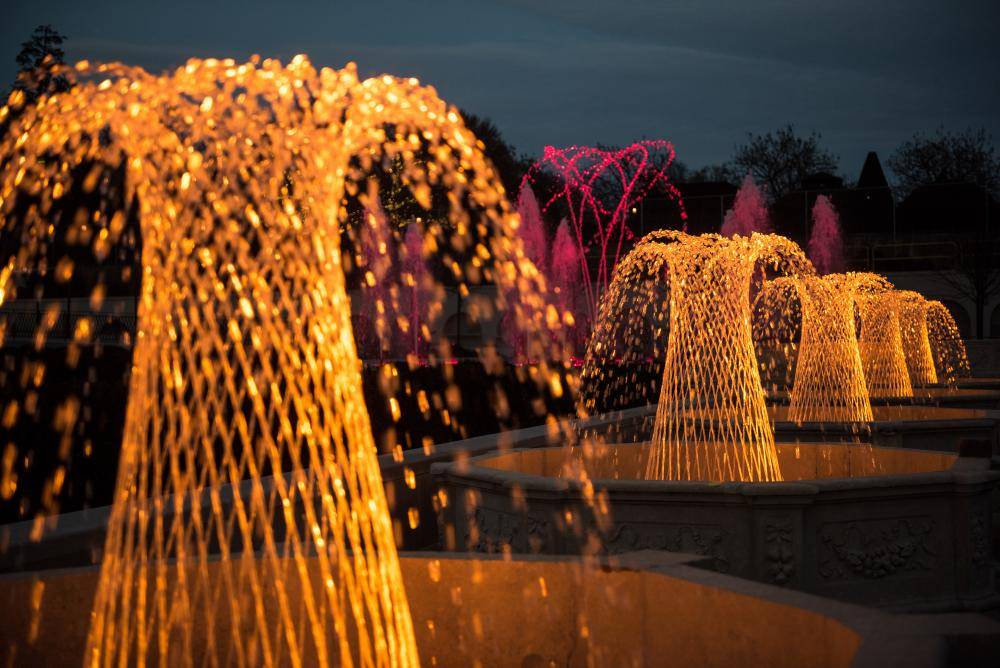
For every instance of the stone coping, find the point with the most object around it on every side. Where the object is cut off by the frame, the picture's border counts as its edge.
(913, 541)
(965, 470)
(983, 396)
(639, 608)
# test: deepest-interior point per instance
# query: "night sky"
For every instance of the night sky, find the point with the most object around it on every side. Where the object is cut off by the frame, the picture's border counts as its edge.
(867, 74)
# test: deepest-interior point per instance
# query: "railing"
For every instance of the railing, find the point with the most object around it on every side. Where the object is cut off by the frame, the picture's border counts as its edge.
(22, 321)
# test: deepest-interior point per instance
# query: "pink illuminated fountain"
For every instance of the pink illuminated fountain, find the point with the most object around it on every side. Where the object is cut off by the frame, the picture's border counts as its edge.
(749, 212)
(413, 282)
(532, 229)
(565, 279)
(599, 189)
(826, 245)
(379, 274)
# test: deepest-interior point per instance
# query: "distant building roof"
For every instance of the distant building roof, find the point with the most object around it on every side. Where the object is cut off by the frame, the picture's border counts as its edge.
(821, 181)
(872, 175)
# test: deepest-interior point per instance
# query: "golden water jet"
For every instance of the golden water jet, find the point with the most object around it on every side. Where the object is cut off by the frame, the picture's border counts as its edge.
(880, 342)
(951, 362)
(247, 439)
(711, 419)
(829, 383)
(913, 332)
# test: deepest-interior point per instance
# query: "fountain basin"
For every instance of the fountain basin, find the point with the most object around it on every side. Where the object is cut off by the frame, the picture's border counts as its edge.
(972, 396)
(980, 383)
(910, 427)
(910, 530)
(637, 609)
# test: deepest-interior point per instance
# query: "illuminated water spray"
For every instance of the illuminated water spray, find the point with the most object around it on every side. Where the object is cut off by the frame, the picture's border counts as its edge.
(711, 420)
(250, 524)
(951, 362)
(749, 213)
(828, 382)
(598, 190)
(623, 365)
(916, 344)
(880, 342)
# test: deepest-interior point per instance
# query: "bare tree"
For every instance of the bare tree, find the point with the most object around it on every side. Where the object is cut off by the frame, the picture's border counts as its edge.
(947, 157)
(976, 274)
(780, 160)
(722, 172)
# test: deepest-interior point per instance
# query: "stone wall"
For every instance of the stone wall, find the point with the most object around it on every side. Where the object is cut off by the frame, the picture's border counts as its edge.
(984, 357)
(913, 541)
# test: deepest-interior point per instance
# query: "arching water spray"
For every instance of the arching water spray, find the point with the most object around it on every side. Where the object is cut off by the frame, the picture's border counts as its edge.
(829, 382)
(951, 362)
(250, 525)
(711, 420)
(916, 344)
(880, 342)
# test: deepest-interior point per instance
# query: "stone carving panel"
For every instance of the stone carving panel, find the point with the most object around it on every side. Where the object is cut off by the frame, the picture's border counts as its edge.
(701, 539)
(497, 531)
(779, 551)
(874, 549)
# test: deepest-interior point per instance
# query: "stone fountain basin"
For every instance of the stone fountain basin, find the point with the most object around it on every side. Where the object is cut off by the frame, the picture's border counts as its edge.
(980, 383)
(640, 609)
(983, 396)
(888, 527)
(910, 427)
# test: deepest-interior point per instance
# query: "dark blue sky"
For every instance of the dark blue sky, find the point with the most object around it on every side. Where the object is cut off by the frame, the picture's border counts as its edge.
(867, 74)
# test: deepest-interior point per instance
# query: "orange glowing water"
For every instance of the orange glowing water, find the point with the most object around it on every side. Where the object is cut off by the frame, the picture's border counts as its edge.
(711, 419)
(916, 344)
(630, 333)
(829, 382)
(247, 442)
(951, 362)
(880, 341)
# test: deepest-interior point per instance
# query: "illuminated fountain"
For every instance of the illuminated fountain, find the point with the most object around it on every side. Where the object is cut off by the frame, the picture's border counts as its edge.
(375, 295)
(896, 351)
(624, 361)
(749, 213)
(250, 524)
(711, 419)
(712, 479)
(829, 383)
(598, 190)
(951, 361)
(566, 280)
(531, 230)
(916, 344)
(812, 370)
(826, 244)
(416, 282)
(880, 341)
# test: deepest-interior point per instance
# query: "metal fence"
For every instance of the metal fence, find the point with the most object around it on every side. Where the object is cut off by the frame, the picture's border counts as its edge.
(60, 322)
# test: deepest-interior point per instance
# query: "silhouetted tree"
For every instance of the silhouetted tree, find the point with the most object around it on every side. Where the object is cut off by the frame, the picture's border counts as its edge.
(720, 173)
(947, 157)
(501, 154)
(36, 61)
(976, 275)
(782, 159)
